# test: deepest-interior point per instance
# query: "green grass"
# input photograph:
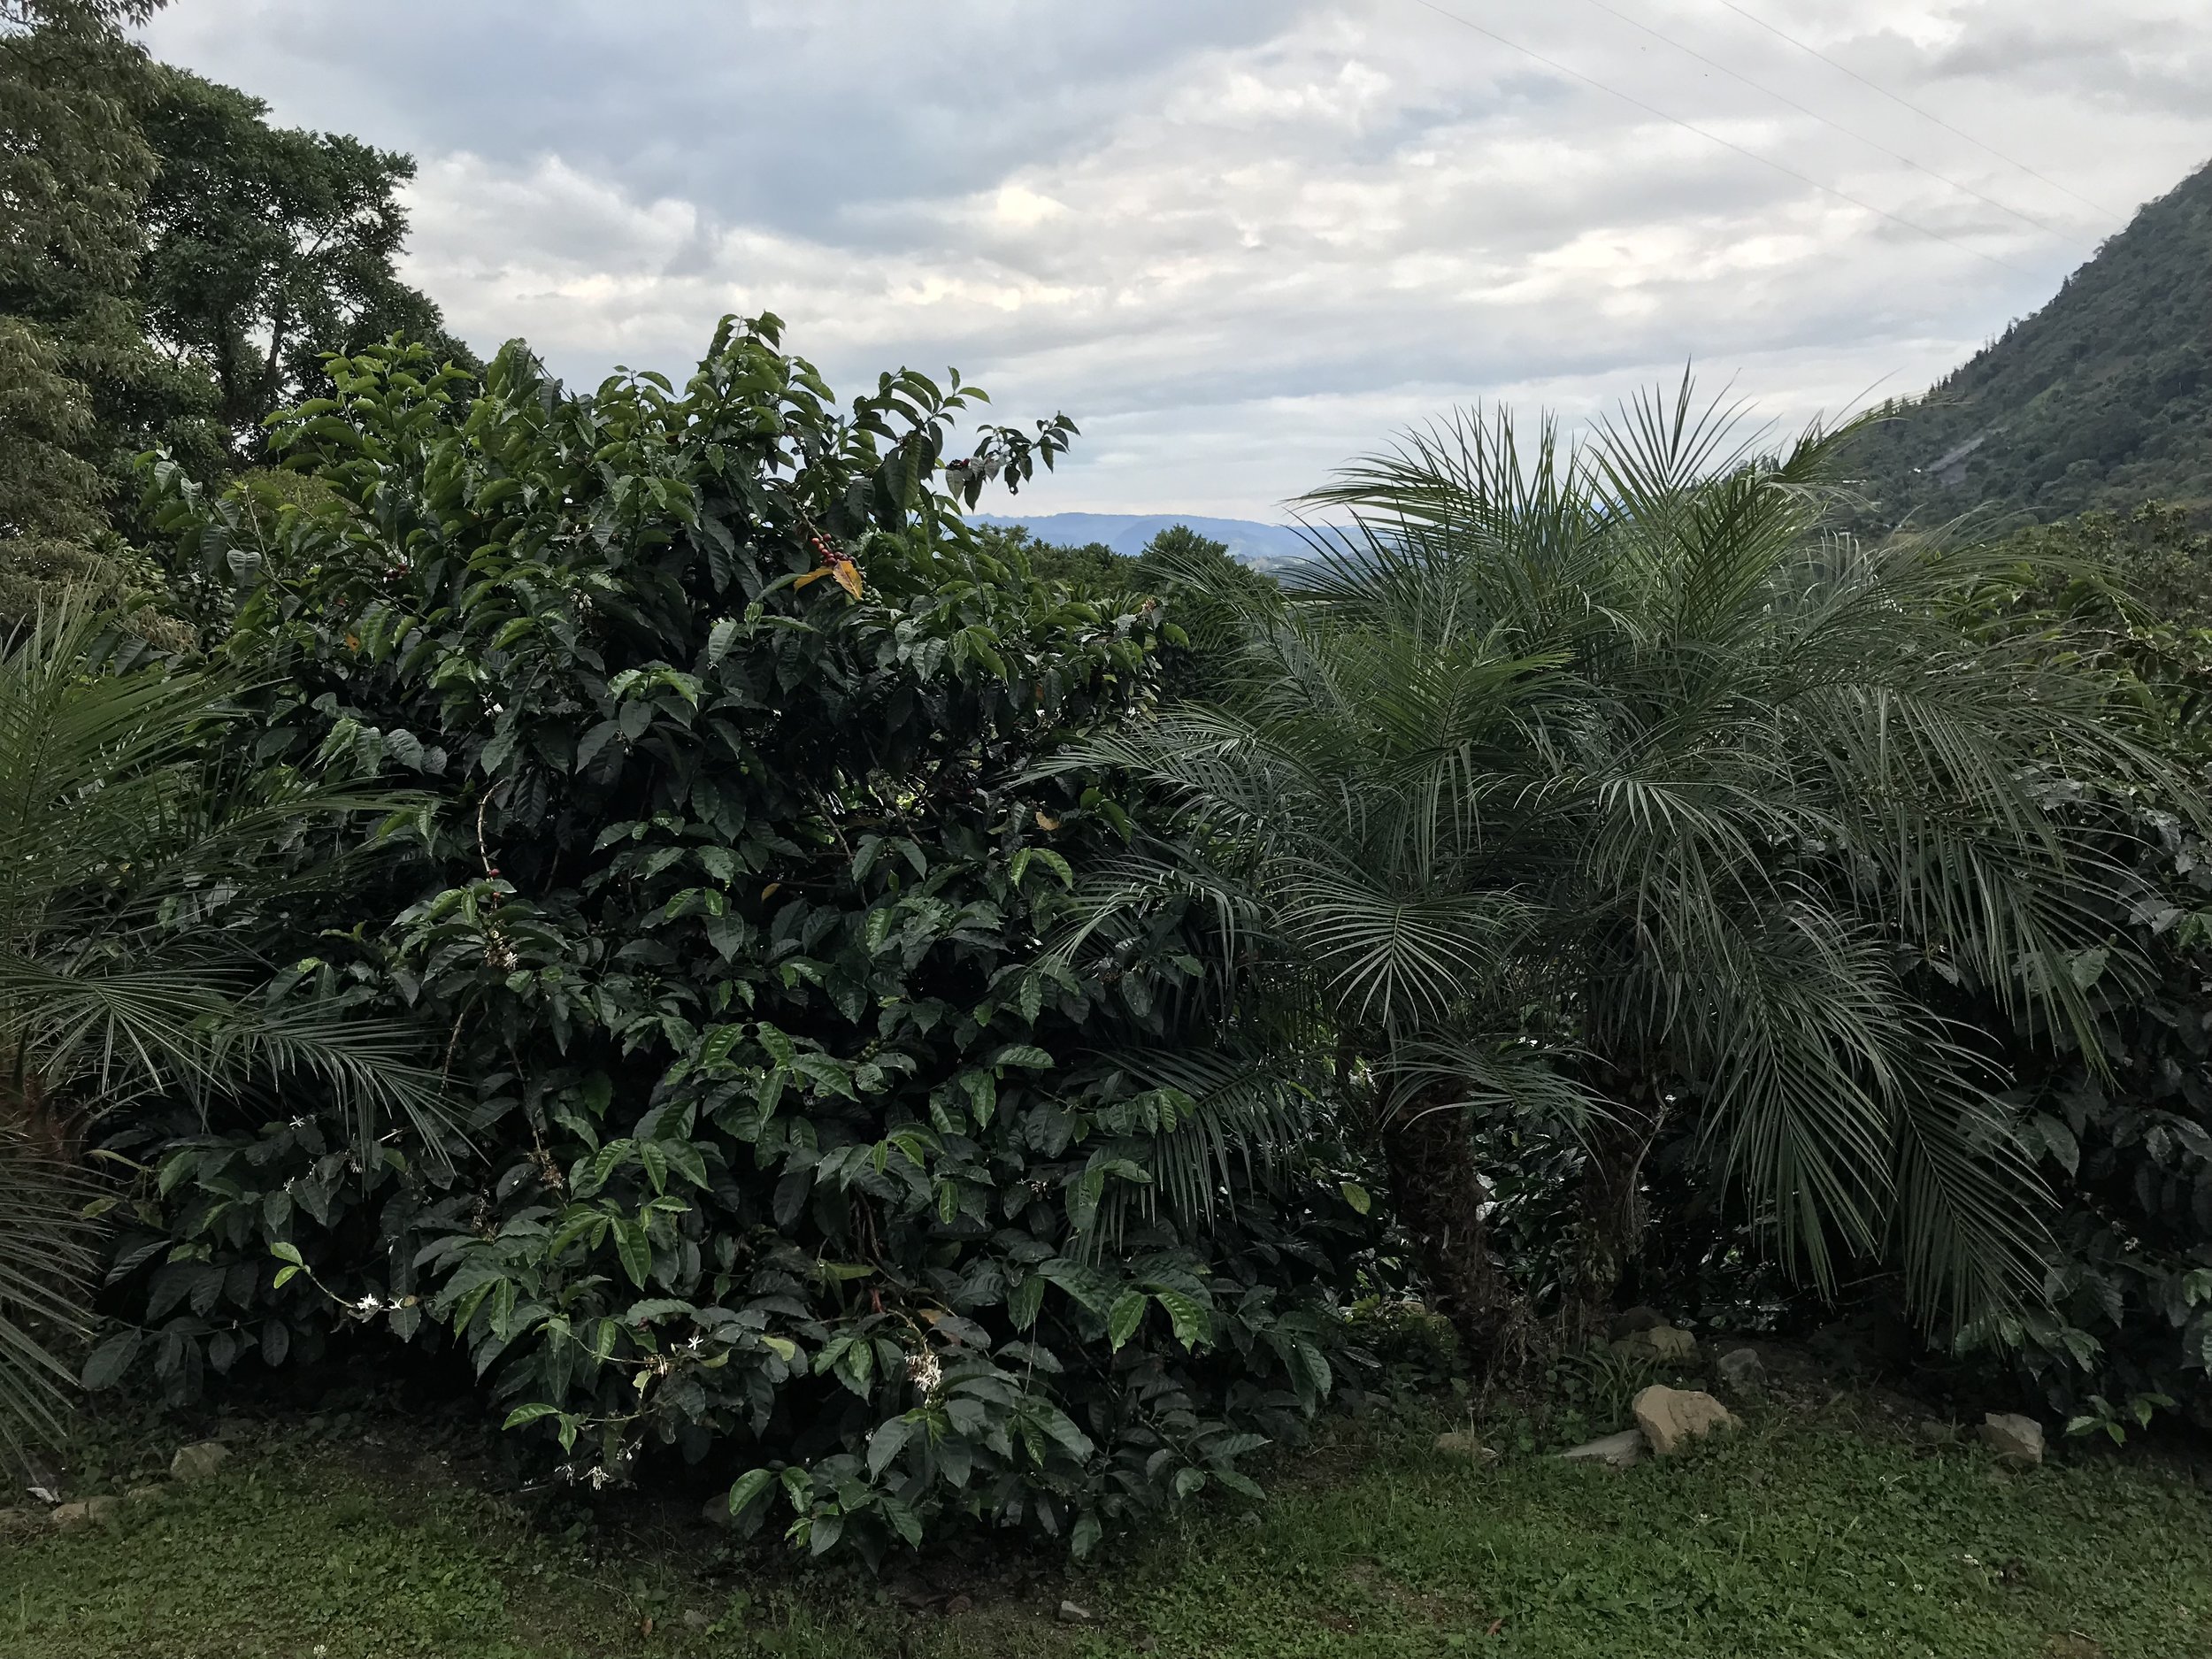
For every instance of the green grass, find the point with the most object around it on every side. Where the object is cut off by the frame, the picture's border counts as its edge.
(293, 1554)
(1790, 1540)
(1797, 1536)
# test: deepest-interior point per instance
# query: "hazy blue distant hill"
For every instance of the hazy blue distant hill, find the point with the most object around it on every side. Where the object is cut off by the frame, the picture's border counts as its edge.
(2103, 398)
(1247, 541)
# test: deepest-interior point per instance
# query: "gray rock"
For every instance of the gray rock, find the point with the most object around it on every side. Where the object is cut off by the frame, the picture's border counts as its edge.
(1071, 1614)
(1741, 1372)
(1467, 1444)
(2017, 1440)
(1662, 1344)
(1630, 1320)
(198, 1462)
(913, 1592)
(85, 1512)
(1615, 1451)
(1672, 1418)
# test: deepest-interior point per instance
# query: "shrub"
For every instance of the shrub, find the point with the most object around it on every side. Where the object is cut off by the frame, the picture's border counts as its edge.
(2123, 1123)
(2117, 1109)
(1597, 792)
(787, 1141)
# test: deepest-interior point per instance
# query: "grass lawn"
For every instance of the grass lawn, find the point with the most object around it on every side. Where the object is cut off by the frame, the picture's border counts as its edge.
(1803, 1534)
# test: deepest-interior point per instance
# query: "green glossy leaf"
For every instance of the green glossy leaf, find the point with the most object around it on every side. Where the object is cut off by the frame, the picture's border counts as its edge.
(1127, 1315)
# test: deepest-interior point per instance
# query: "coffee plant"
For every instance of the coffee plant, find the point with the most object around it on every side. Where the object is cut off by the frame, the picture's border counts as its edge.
(791, 1127)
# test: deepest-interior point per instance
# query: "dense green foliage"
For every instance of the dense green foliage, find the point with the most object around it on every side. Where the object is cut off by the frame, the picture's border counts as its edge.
(74, 166)
(2118, 1127)
(2124, 1125)
(2103, 398)
(1092, 568)
(631, 899)
(2139, 581)
(267, 248)
(785, 1140)
(171, 270)
(1605, 790)
(1192, 575)
(1828, 1535)
(145, 869)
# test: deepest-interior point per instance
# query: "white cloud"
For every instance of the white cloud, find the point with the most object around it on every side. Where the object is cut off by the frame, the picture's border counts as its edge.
(1240, 241)
(1024, 208)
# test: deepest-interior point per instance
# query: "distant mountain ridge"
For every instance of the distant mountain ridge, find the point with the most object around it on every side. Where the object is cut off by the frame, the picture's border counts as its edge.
(1248, 540)
(2103, 398)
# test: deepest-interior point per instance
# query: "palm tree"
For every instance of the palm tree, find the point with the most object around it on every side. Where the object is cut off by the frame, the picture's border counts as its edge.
(46, 1259)
(144, 869)
(1602, 787)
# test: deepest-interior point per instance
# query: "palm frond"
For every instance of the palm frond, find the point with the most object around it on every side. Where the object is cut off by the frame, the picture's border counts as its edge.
(1623, 729)
(136, 851)
(1240, 1114)
(47, 1264)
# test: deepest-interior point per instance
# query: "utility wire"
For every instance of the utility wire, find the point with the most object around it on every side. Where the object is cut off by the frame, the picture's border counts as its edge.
(1688, 52)
(1725, 144)
(1925, 115)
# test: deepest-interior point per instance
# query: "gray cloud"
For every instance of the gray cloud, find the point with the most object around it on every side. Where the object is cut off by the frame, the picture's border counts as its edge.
(798, 116)
(1239, 241)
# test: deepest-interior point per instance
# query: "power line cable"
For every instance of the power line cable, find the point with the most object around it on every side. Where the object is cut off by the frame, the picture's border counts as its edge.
(1725, 144)
(1925, 115)
(1780, 98)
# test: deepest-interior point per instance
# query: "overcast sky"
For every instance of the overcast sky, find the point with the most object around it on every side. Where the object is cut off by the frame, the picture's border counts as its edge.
(1241, 240)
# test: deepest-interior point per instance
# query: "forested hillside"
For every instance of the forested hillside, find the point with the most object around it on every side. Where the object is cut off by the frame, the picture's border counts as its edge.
(1247, 539)
(2101, 399)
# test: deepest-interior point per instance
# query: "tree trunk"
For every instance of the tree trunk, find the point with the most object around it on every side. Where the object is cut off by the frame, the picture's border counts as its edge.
(1442, 1199)
(27, 1111)
(1613, 1212)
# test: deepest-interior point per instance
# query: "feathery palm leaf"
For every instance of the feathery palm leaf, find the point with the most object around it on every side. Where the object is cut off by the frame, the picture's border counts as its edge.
(1620, 729)
(139, 858)
(137, 867)
(47, 1260)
